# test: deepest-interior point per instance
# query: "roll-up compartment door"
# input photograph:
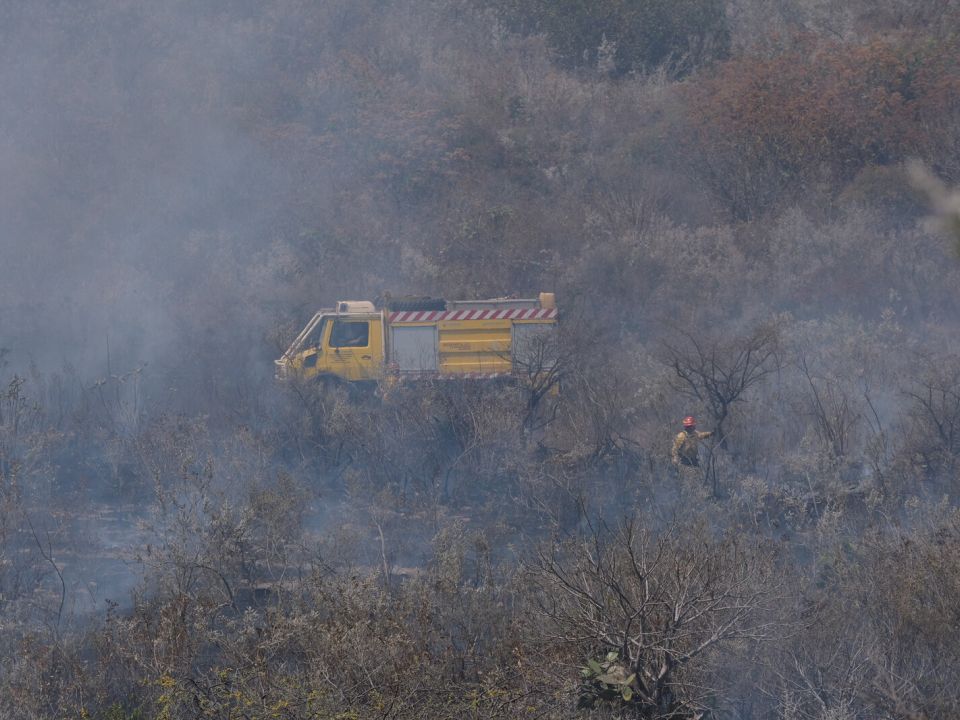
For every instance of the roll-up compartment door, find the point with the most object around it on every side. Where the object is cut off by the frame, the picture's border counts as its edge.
(414, 348)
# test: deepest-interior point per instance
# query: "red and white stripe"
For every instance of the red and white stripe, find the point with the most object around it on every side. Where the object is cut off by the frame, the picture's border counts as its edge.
(474, 376)
(436, 315)
(453, 376)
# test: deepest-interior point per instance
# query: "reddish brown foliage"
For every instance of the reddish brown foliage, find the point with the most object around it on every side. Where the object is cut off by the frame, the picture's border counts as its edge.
(821, 112)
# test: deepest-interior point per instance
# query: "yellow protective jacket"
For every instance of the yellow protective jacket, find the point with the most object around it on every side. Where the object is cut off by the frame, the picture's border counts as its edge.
(685, 447)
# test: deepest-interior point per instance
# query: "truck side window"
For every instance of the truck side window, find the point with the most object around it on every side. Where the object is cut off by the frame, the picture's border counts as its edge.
(350, 334)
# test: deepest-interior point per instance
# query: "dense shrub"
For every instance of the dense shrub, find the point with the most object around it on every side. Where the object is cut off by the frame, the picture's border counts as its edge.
(806, 121)
(625, 35)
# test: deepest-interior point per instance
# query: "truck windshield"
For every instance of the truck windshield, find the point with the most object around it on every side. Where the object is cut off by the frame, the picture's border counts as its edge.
(316, 335)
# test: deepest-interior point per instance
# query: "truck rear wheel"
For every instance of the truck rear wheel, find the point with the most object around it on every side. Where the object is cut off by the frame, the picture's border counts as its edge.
(330, 385)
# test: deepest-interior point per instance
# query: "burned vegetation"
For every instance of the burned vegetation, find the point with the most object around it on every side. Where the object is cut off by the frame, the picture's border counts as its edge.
(743, 212)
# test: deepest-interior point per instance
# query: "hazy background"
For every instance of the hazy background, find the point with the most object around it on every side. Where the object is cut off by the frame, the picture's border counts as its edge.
(179, 181)
(713, 188)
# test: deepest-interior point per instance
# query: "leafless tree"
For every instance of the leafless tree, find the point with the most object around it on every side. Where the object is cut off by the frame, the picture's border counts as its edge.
(659, 603)
(541, 365)
(717, 371)
(934, 418)
(832, 408)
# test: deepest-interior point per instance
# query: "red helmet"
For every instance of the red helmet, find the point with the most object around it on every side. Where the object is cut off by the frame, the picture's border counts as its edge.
(689, 421)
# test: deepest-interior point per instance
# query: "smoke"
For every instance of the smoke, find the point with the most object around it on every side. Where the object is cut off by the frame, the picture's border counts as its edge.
(182, 184)
(944, 201)
(134, 199)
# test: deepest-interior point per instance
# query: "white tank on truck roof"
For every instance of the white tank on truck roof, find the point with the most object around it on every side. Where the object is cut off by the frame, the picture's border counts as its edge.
(355, 306)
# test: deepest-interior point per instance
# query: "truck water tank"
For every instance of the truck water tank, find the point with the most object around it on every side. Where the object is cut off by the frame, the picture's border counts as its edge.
(355, 306)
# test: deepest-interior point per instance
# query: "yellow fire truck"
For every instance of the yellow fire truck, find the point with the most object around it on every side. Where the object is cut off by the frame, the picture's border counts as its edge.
(424, 338)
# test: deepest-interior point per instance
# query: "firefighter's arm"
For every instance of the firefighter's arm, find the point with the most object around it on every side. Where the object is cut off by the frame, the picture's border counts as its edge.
(704, 435)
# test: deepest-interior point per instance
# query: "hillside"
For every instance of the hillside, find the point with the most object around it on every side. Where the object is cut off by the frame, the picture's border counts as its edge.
(746, 211)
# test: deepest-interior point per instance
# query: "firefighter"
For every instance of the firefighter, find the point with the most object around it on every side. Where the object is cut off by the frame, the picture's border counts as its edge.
(687, 443)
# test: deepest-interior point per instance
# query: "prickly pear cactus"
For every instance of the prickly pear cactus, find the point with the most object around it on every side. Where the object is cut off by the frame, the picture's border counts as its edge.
(607, 681)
